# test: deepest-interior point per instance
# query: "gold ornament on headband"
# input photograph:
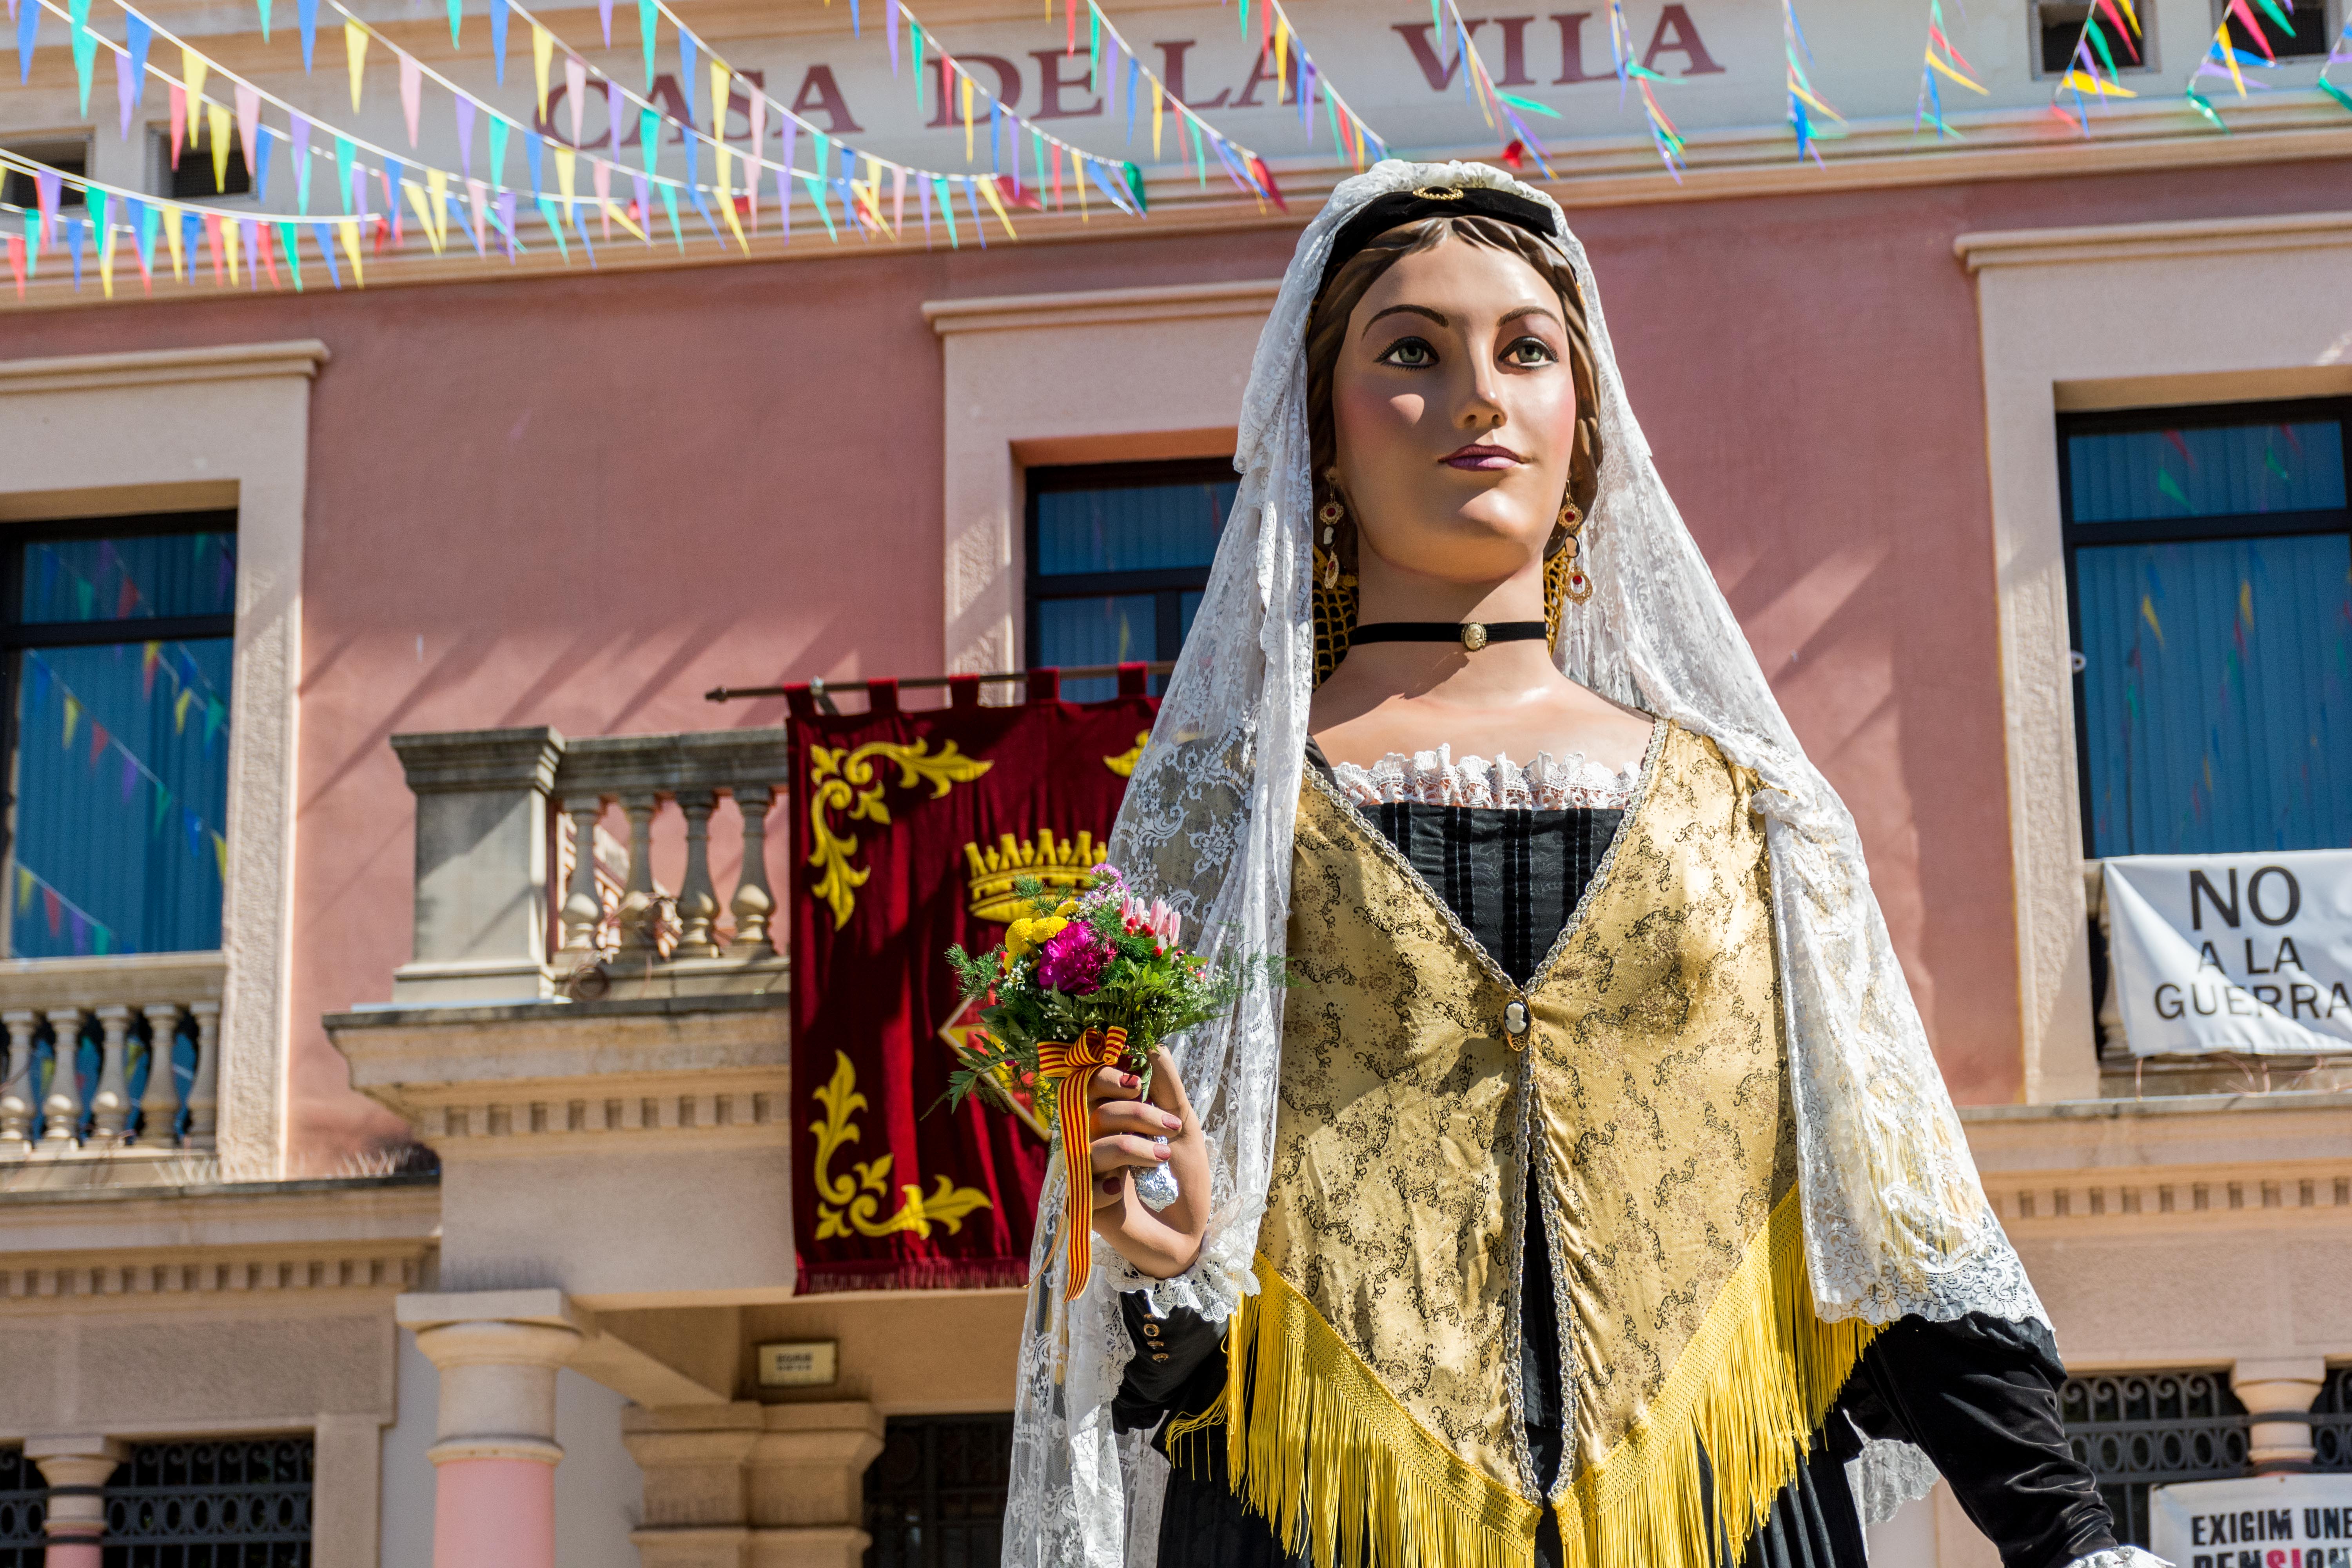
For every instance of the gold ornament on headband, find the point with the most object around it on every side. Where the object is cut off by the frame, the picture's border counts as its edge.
(1439, 192)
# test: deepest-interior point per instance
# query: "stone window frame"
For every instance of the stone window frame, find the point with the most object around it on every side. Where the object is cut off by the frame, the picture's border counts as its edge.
(2063, 317)
(192, 430)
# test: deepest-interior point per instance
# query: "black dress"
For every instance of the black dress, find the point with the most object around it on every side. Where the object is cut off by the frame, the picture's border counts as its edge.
(1980, 1394)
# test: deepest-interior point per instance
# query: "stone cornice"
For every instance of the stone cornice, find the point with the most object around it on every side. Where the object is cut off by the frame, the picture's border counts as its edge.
(1101, 307)
(2152, 241)
(163, 367)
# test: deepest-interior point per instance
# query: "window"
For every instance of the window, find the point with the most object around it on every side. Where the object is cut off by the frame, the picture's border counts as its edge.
(2058, 33)
(935, 1498)
(23, 1493)
(2331, 1425)
(117, 638)
(2150, 1429)
(195, 175)
(1119, 554)
(233, 1503)
(2313, 30)
(17, 187)
(2210, 580)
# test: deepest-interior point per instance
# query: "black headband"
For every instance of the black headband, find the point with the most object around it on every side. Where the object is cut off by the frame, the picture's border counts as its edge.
(1381, 213)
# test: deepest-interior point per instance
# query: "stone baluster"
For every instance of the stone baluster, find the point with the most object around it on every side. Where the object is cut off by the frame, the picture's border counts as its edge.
(697, 899)
(754, 905)
(110, 1103)
(158, 1102)
(61, 1107)
(203, 1089)
(583, 908)
(16, 1092)
(640, 913)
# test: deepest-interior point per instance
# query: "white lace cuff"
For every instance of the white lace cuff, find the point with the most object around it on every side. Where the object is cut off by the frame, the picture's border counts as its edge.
(2120, 1557)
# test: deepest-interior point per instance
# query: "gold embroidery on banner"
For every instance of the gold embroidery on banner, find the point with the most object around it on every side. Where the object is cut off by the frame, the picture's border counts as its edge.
(842, 780)
(847, 1205)
(1124, 764)
(1063, 865)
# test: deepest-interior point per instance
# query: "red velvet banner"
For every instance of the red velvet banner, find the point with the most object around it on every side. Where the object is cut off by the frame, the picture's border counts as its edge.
(908, 831)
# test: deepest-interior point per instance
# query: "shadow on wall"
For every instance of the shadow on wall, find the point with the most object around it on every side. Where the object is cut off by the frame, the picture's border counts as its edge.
(599, 1491)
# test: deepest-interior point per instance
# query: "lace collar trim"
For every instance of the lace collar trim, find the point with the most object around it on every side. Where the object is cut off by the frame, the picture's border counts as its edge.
(1439, 778)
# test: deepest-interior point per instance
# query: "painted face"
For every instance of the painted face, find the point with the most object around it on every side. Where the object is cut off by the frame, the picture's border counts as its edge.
(1454, 413)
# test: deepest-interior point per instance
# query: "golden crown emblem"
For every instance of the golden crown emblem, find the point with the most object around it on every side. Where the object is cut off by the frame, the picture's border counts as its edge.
(1062, 864)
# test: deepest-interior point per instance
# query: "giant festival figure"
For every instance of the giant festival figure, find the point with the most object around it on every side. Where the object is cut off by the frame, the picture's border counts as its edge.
(1587, 1196)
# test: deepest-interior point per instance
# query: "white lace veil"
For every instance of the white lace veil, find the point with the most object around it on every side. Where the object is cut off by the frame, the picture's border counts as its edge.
(1895, 1222)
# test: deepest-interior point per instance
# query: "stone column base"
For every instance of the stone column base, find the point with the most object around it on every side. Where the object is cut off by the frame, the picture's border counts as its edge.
(736, 1546)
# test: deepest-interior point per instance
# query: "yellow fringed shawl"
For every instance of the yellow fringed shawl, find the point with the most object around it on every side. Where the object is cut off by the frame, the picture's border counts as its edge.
(1371, 1410)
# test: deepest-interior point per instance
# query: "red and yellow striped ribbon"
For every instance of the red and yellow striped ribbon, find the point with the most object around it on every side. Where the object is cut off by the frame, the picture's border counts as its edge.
(1069, 1067)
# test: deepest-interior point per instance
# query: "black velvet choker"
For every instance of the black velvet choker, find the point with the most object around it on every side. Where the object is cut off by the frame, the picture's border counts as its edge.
(1472, 635)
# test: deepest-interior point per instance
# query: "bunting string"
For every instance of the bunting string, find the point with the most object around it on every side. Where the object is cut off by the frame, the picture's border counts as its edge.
(1491, 101)
(1663, 133)
(2336, 56)
(1946, 62)
(1801, 96)
(2091, 69)
(89, 932)
(2222, 59)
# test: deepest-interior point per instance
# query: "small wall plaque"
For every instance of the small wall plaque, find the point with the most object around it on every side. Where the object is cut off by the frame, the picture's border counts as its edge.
(805, 1363)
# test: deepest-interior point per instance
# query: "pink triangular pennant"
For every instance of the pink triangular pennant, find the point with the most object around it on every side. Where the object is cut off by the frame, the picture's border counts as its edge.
(576, 91)
(248, 122)
(411, 92)
(179, 121)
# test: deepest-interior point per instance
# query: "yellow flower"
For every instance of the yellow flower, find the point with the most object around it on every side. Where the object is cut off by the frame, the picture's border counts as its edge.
(1069, 907)
(1021, 938)
(1051, 926)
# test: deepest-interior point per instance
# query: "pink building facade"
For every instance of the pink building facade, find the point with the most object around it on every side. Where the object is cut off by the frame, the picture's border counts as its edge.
(483, 496)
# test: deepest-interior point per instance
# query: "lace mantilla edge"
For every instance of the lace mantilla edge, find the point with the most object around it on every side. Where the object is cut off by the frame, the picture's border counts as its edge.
(1436, 778)
(2120, 1557)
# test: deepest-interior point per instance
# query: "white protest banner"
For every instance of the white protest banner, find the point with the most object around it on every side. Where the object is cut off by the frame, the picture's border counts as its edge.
(2233, 952)
(2262, 1522)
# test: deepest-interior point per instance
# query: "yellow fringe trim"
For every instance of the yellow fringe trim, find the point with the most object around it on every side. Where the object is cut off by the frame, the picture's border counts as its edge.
(1749, 1389)
(1323, 1450)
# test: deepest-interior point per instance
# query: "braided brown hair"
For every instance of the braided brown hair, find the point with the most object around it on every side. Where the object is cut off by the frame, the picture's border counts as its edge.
(1326, 329)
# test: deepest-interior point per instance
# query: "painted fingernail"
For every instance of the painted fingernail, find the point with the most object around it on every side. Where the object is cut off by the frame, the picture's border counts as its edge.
(1159, 1148)
(1129, 1080)
(1173, 1123)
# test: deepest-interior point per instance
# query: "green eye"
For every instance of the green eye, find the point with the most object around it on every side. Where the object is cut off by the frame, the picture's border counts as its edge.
(1411, 354)
(1529, 352)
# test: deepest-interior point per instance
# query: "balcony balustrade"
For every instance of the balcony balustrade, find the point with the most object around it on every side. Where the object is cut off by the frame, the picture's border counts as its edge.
(497, 808)
(115, 1056)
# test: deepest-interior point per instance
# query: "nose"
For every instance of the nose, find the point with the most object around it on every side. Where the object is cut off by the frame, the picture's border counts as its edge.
(1482, 402)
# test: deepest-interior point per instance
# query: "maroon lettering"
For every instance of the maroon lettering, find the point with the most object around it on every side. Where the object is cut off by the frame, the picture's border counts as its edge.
(666, 96)
(1008, 88)
(1171, 75)
(820, 94)
(1684, 40)
(1571, 50)
(1052, 84)
(1514, 51)
(1438, 73)
(1262, 71)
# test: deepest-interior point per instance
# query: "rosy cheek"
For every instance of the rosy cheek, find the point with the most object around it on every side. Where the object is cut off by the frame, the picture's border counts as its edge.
(1368, 408)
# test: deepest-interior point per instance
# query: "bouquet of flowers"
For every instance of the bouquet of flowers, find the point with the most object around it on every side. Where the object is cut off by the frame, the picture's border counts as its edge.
(1078, 984)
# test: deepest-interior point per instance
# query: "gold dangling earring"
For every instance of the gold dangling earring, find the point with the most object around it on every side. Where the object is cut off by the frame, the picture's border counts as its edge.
(1330, 514)
(1565, 582)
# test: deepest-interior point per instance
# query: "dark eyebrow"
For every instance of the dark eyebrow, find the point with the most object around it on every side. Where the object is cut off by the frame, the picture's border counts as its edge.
(1410, 310)
(1532, 311)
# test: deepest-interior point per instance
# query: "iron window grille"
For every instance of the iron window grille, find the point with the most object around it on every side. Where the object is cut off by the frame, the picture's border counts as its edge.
(228, 1503)
(23, 1499)
(935, 1497)
(2138, 1430)
(1118, 557)
(2331, 1422)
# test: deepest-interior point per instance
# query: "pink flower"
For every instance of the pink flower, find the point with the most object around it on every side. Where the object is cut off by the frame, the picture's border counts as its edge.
(1156, 918)
(1071, 961)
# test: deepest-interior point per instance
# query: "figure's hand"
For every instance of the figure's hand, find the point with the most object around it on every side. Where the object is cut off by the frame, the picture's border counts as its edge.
(1128, 1134)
